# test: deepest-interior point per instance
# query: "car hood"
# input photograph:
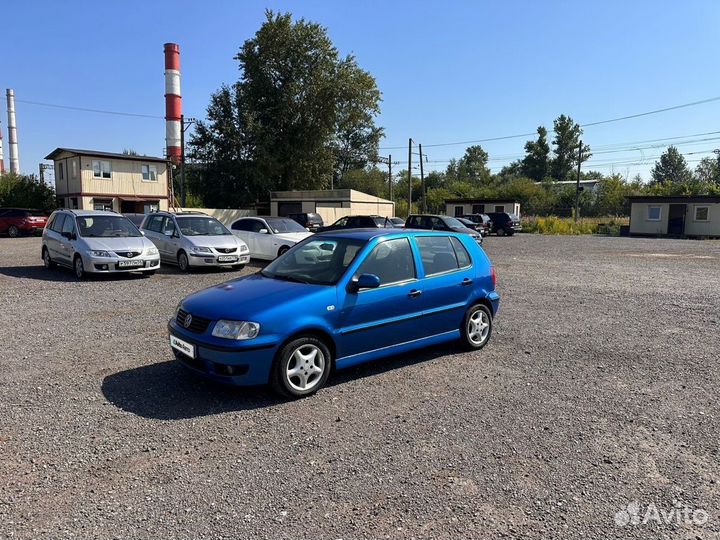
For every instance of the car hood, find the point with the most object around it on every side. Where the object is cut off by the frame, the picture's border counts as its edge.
(293, 236)
(250, 297)
(132, 243)
(221, 241)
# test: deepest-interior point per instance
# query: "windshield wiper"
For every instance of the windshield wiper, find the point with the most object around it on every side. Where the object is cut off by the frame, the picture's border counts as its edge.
(282, 277)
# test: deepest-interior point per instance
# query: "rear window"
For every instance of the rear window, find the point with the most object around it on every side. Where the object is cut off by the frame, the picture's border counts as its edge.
(314, 218)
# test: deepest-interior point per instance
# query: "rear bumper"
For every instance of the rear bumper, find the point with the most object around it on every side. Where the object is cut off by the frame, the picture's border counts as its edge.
(245, 364)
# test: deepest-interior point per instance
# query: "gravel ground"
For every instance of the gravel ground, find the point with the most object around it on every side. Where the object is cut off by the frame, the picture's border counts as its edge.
(599, 388)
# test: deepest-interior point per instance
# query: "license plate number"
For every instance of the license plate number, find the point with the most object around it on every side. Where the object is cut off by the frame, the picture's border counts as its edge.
(227, 258)
(130, 264)
(182, 346)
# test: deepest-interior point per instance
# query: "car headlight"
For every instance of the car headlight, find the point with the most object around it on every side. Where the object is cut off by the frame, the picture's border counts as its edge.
(243, 248)
(99, 253)
(236, 329)
(197, 249)
(152, 251)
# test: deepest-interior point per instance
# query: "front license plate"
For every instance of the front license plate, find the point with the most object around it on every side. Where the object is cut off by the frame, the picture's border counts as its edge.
(182, 346)
(227, 258)
(130, 264)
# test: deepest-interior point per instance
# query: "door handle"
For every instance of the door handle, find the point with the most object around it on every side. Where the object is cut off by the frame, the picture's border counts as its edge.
(466, 281)
(414, 293)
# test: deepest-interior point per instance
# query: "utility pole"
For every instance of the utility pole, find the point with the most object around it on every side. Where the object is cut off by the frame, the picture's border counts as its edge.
(422, 180)
(183, 127)
(409, 177)
(577, 185)
(390, 176)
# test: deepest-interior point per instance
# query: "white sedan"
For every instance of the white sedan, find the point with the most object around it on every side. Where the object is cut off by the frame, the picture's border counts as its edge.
(268, 237)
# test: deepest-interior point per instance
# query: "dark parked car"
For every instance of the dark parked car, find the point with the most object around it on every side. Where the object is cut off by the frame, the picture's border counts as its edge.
(333, 301)
(311, 221)
(358, 222)
(16, 221)
(504, 223)
(469, 224)
(440, 223)
(482, 221)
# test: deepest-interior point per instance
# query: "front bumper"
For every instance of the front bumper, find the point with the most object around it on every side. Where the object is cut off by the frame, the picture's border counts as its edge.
(218, 259)
(241, 363)
(109, 265)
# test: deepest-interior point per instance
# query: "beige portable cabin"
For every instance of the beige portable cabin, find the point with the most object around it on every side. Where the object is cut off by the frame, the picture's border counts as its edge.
(461, 207)
(679, 216)
(331, 204)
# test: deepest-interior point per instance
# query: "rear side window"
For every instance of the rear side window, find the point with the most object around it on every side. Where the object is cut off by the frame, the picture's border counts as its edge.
(437, 254)
(57, 223)
(391, 261)
(463, 257)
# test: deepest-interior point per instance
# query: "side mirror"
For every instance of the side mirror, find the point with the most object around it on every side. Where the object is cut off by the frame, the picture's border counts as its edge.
(69, 235)
(263, 231)
(365, 281)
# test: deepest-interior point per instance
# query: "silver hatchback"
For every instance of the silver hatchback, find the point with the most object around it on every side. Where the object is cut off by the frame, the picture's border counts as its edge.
(97, 241)
(194, 239)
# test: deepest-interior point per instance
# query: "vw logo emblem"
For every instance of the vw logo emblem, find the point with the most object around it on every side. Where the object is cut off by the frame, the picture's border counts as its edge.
(188, 321)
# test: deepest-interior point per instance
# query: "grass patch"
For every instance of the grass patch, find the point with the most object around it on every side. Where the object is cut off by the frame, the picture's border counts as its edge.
(568, 226)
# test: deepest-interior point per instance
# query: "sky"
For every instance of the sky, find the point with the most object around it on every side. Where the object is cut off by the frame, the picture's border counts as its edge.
(449, 72)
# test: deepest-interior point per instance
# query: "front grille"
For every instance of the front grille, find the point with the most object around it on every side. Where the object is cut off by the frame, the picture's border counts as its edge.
(128, 254)
(197, 324)
(226, 250)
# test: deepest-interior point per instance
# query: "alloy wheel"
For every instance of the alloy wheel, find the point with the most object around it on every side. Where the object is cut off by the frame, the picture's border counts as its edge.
(305, 367)
(478, 328)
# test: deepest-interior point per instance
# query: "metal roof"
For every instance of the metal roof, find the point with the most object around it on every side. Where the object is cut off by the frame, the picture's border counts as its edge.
(674, 198)
(97, 153)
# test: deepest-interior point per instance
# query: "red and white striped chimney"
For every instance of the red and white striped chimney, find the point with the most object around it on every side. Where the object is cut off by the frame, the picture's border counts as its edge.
(12, 133)
(2, 155)
(173, 101)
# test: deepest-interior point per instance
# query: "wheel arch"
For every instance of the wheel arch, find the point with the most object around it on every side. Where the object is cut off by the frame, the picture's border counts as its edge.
(317, 332)
(485, 302)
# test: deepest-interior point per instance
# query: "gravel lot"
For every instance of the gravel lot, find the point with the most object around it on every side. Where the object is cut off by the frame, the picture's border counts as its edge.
(598, 388)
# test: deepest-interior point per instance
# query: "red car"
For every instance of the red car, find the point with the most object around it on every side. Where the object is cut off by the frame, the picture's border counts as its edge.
(16, 221)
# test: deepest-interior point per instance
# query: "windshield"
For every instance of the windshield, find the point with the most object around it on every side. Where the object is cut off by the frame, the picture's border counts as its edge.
(284, 225)
(318, 260)
(201, 226)
(106, 227)
(454, 223)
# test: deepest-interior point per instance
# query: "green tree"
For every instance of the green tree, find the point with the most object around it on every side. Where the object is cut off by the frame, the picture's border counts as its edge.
(536, 163)
(566, 146)
(471, 167)
(671, 169)
(611, 196)
(298, 117)
(26, 192)
(708, 171)
(370, 180)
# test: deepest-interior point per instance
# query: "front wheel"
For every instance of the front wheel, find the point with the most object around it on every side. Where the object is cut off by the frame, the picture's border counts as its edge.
(501, 231)
(302, 367)
(79, 267)
(282, 251)
(477, 327)
(13, 231)
(183, 262)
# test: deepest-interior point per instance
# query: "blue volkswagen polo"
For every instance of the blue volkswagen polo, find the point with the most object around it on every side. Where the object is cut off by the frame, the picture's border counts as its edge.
(335, 300)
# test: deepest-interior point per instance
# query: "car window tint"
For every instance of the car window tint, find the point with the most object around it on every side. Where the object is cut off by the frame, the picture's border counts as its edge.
(461, 253)
(437, 254)
(68, 225)
(168, 226)
(391, 261)
(154, 223)
(58, 222)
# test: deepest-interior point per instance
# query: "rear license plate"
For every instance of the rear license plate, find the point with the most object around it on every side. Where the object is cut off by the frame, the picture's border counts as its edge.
(227, 258)
(182, 346)
(130, 264)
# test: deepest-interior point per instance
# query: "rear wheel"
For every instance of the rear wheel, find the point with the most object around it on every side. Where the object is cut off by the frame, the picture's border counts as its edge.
(183, 262)
(500, 231)
(79, 267)
(47, 261)
(302, 367)
(477, 327)
(13, 231)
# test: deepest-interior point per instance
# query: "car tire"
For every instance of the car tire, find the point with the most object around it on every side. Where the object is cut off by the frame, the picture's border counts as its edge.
(183, 262)
(501, 231)
(78, 267)
(47, 261)
(13, 231)
(149, 273)
(282, 250)
(301, 368)
(477, 327)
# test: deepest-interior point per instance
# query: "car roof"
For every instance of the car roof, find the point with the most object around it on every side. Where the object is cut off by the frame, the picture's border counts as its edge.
(89, 212)
(369, 234)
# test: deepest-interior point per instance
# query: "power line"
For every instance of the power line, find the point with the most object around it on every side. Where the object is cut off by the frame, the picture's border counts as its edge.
(589, 124)
(84, 109)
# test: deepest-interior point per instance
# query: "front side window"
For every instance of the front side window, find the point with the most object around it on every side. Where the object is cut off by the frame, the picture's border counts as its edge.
(320, 261)
(654, 213)
(201, 226)
(154, 223)
(68, 226)
(149, 173)
(106, 227)
(241, 225)
(391, 261)
(702, 213)
(101, 168)
(437, 254)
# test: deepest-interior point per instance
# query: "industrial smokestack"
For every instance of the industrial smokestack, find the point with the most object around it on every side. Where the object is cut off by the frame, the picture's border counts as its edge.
(12, 133)
(2, 155)
(173, 101)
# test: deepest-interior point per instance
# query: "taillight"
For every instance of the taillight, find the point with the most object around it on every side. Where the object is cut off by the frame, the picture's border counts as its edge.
(494, 275)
